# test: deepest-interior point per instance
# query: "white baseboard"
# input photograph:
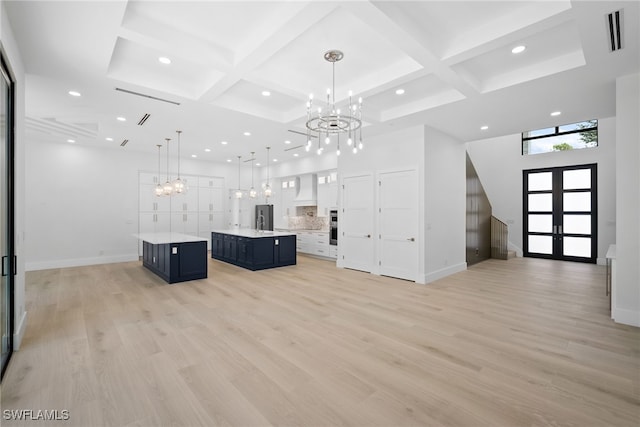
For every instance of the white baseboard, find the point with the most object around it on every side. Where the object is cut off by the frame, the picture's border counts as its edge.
(18, 334)
(444, 272)
(78, 262)
(624, 316)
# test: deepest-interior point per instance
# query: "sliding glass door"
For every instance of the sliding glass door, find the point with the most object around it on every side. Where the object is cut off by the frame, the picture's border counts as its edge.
(560, 213)
(6, 217)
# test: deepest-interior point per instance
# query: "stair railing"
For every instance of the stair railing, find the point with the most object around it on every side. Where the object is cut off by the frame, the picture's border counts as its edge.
(499, 238)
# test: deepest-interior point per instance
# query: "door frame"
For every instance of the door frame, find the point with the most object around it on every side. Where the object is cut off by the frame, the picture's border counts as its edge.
(558, 211)
(5, 69)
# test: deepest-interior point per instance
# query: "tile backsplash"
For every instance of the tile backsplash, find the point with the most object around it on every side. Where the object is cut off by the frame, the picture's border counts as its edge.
(307, 218)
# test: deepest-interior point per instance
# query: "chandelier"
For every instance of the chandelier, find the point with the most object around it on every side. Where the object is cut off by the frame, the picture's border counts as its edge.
(330, 120)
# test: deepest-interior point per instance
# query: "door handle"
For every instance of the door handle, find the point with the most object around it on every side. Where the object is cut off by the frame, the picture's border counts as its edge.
(4, 262)
(368, 236)
(411, 239)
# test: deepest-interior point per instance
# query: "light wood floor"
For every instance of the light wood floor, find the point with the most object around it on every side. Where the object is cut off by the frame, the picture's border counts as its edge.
(523, 342)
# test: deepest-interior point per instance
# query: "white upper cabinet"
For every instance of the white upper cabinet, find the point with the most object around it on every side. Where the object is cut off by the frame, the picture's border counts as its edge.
(327, 192)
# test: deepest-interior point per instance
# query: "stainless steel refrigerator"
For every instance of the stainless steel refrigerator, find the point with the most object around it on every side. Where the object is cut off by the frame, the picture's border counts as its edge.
(264, 217)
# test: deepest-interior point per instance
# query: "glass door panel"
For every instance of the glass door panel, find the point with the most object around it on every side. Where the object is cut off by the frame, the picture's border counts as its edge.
(560, 216)
(540, 202)
(540, 181)
(577, 202)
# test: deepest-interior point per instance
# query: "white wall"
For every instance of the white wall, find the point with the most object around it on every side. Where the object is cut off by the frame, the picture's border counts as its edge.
(82, 202)
(499, 163)
(398, 150)
(12, 55)
(445, 204)
(626, 302)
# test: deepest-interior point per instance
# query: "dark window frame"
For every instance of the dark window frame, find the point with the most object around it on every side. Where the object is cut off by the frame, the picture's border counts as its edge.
(557, 133)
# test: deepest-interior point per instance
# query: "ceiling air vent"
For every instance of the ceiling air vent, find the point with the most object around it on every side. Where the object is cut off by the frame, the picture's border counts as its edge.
(144, 119)
(614, 20)
(124, 142)
(144, 95)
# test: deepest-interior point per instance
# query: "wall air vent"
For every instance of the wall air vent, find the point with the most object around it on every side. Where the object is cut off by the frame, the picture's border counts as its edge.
(614, 20)
(144, 119)
(124, 142)
(144, 95)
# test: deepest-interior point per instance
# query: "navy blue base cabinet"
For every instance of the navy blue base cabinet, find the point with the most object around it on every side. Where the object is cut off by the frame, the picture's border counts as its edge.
(254, 253)
(176, 262)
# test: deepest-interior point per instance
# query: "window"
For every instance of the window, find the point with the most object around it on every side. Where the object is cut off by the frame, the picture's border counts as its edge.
(573, 136)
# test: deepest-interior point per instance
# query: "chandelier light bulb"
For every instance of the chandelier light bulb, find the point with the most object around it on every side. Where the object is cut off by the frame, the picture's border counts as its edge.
(167, 189)
(319, 151)
(238, 194)
(360, 146)
(349, 141)
(159, 190)
(307, 148)
(327, 140)
(253, 193)
(267, 191)
(355, 150)
(310, 96)
(338, 152)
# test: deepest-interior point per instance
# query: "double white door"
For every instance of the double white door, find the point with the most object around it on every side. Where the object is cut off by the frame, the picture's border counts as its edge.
(380, 228)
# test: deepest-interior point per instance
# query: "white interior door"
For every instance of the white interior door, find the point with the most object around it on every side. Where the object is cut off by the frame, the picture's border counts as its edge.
(398, 224)
(356, 241)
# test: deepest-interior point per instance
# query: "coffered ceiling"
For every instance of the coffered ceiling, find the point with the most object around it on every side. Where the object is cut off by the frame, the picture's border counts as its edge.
(453, 60)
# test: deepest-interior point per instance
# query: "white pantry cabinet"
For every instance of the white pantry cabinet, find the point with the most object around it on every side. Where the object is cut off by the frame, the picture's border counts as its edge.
(327, 192)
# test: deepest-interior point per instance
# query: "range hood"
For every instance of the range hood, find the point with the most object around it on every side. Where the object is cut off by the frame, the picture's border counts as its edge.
(307, 190)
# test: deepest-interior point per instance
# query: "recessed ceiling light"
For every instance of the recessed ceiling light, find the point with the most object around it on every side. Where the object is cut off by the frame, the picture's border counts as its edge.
(71, 140)
(228, 160)
(194, 155)
(224, 142)
(247, 134)
(295, 154)
(121, 119)
(109, 138)
(556, 113)
(207, 150)
(266, 93)
(275, 160)
(74, 93)
(164, 60)
(399, 91)
(287, 142)
(257, 164)
(484, 128)
(518, 49)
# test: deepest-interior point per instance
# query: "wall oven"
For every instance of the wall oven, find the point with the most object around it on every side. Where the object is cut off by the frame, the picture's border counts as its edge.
(333, 227)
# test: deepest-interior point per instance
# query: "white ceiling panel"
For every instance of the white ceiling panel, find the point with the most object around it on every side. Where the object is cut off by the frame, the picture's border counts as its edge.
(553, 51)
(139, 65)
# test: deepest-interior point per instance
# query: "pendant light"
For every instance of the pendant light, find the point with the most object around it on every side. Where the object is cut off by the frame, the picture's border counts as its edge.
(167, 188)
(159, 190)
(252, 192)
(179, 186)
(239, 191)
(267, 188)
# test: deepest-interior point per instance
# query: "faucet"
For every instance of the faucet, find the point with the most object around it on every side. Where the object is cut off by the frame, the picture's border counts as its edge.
(260, 222)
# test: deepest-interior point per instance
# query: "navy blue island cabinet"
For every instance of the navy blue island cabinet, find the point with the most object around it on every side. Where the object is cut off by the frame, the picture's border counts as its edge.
(174, 257)
(254, 250)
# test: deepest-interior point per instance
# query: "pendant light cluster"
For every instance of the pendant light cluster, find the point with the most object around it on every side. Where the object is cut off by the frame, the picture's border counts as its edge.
(253, 193)
(178, 185)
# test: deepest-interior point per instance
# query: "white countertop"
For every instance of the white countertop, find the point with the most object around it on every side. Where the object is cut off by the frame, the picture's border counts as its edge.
(248, 232)
(303, 230)
(162, 238)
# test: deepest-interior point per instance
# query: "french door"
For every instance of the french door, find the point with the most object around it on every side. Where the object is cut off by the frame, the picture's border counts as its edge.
(560, 213)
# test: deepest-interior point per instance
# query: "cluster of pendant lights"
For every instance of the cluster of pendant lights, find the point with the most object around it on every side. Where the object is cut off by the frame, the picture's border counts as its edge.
(178, 185)
(252, 191)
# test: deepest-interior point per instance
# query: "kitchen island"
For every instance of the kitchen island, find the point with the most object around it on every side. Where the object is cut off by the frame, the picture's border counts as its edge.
(254, 250)
(175, 257)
